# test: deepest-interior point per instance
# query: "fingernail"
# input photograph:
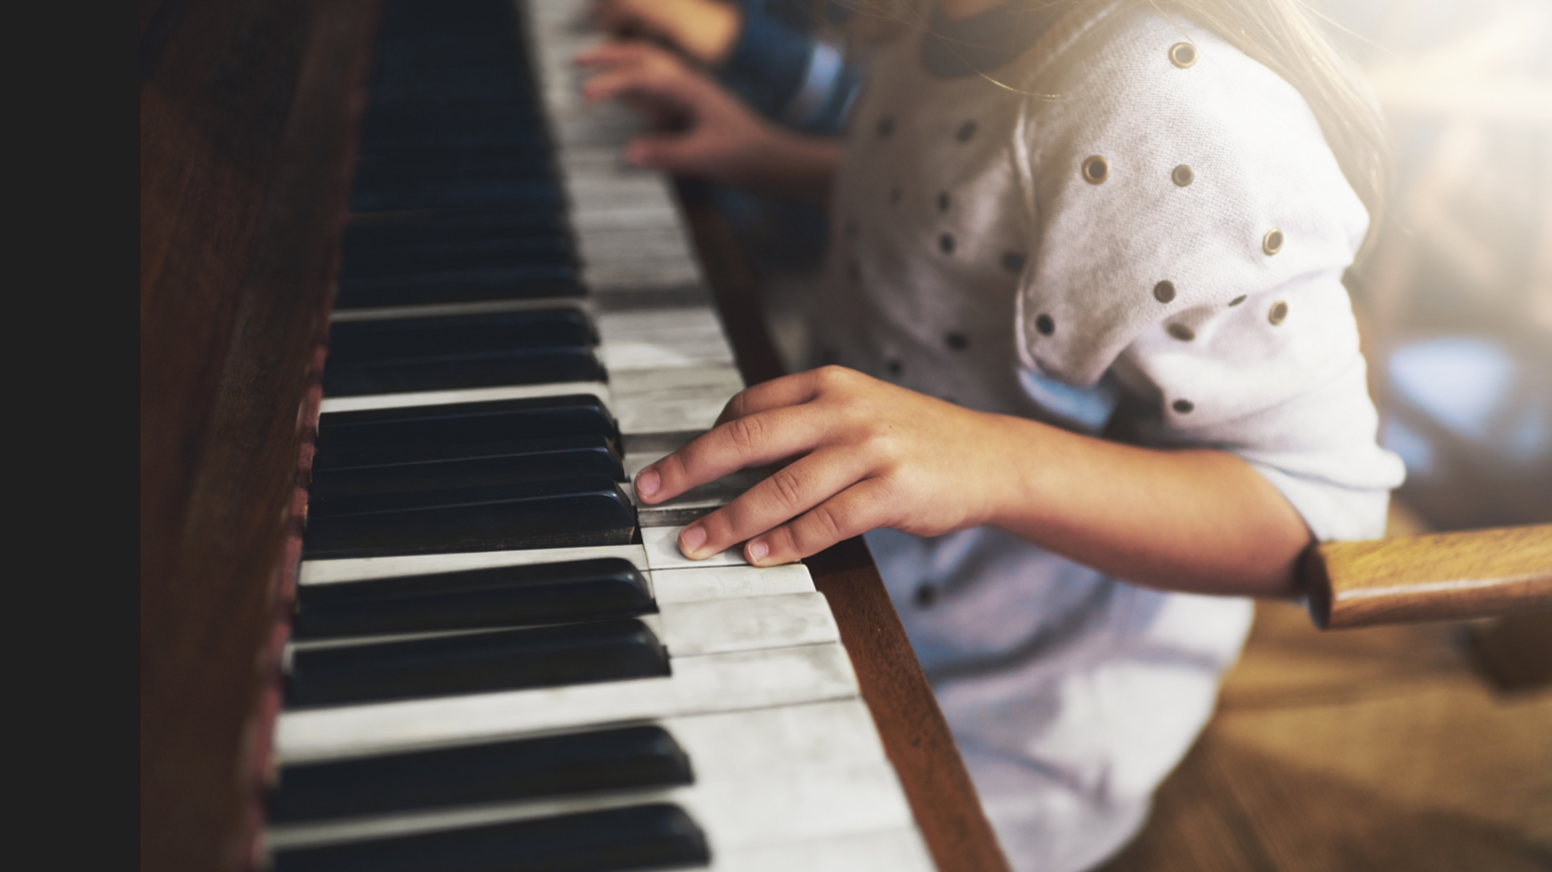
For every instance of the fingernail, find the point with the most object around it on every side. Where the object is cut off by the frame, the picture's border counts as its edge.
(691, 539)
(757, 551)
(647, 482)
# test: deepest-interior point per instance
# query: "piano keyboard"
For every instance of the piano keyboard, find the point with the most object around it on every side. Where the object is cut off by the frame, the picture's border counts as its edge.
(498, 661)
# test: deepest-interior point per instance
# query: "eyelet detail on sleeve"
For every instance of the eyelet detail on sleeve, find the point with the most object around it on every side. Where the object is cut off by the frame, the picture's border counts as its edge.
(1272, 242)
(1182, 55)
(1278, 314)
(1182, 332)
(1045, 324)
(1164, 291)
(1182, 175)
(1184, 407)
(1095, 170)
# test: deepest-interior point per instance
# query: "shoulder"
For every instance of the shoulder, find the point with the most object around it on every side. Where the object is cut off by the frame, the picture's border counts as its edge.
(1161, 154)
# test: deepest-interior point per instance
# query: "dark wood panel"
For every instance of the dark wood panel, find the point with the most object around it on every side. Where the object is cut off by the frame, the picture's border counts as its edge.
(915, 735)
(246, 114)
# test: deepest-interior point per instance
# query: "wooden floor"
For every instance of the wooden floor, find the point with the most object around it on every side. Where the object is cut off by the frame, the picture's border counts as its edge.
(1376, 749)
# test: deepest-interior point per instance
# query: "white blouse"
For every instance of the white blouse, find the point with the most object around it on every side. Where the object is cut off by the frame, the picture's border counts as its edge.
(1131, 218)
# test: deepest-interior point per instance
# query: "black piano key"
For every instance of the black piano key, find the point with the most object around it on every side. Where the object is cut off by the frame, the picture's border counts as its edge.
(450, 193)
(472, 370)
(603, 449)
(419, 354)
(583, 590)
(631, 758)
(638, 837)
(544, 514)
(399, 469)
(460, 256)
(525, 282)
(384, 175)
(465, 424)
(615, 650)
(435, 132)
(374, 234)
(449, 165)
(521, 256)
(411, 338)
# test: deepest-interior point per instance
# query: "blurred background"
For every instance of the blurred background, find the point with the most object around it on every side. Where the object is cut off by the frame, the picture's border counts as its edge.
(1429, 746)
(1457, 296)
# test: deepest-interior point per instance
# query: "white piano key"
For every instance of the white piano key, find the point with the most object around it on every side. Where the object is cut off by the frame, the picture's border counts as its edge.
(600, 163)
(603, 277)
(661, 338)
(696, 502)
(686, 629)
(480, 307)
(622, 247)
(789, 755)
(662, 547)
(672, 586)
(721, 626)
(894, 850)
(466, 395)
(364, 568)
(644, 218)
(669, 585)
(729, 745)
(785, 804)
(675, 399)
(711, 683)
(654, 384)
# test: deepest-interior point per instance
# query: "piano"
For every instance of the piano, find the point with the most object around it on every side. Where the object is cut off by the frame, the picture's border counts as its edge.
(474, 651)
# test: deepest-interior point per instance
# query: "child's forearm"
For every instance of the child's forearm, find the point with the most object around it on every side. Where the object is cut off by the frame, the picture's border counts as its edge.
(871, 454)
(1190, 520)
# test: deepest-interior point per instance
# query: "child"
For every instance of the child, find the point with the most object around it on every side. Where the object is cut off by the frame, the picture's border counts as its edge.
(1052, 222)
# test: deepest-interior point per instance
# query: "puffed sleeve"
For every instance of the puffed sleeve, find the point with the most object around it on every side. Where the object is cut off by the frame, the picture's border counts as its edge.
(1193, 231)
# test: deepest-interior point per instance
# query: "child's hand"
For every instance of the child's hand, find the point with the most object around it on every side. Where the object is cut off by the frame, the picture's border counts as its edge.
(864, 454)
(703, 29)
(703, 131)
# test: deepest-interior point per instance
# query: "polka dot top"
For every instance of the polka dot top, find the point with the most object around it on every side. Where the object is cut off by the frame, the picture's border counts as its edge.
(1133, 213)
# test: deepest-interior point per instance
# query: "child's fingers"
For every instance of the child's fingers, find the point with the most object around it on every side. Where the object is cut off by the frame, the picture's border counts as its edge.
(790, 390)
(755, 440)
(784, 495)
(862, 507)
(617, 52)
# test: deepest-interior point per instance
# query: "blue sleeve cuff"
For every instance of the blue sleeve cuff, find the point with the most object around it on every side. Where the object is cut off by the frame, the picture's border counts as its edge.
(768, 64)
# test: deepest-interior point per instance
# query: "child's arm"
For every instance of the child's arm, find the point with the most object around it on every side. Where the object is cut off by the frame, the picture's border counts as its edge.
(705, 30)
(869, 454)
(705, 132)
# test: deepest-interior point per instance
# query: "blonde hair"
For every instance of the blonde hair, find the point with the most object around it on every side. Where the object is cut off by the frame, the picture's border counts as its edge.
(1282, 35)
